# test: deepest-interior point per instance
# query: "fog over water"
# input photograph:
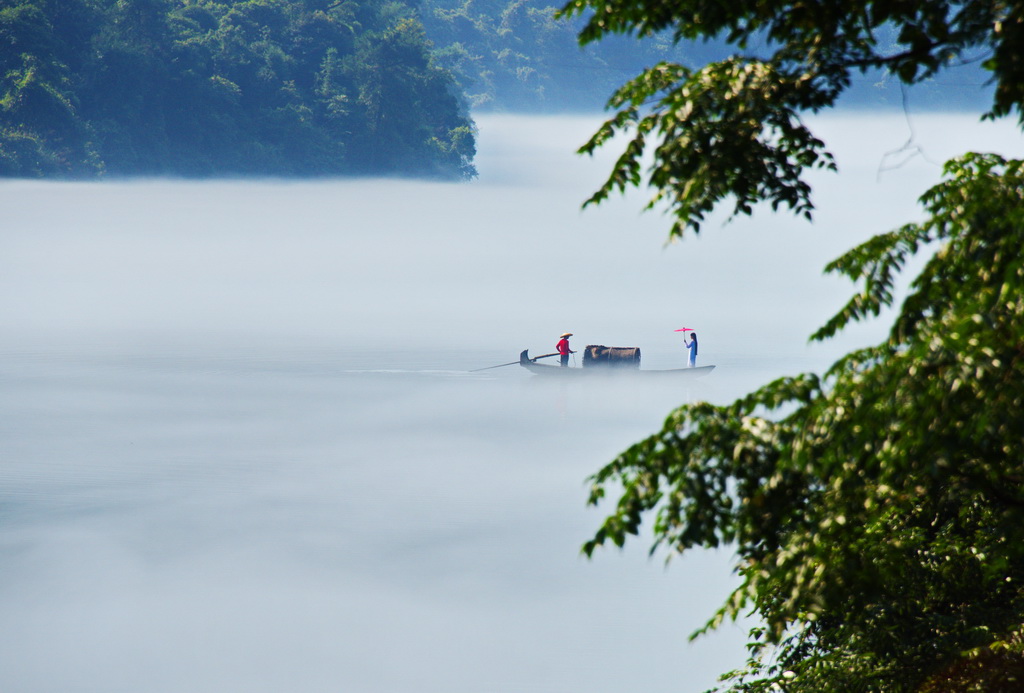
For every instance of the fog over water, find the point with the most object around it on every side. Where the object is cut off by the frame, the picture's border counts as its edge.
(240, 448)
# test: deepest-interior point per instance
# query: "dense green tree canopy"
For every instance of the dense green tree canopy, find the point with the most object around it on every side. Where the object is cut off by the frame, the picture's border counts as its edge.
(877, 510)
(202, 87)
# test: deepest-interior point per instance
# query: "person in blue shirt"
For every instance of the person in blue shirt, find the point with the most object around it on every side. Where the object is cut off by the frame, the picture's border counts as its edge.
(692, 347)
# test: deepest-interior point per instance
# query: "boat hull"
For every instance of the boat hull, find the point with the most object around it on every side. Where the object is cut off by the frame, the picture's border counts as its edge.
(544, 369)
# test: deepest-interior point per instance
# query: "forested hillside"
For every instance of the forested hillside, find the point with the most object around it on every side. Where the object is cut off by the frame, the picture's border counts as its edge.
(514, 55)
(205, 87)
(313, 87)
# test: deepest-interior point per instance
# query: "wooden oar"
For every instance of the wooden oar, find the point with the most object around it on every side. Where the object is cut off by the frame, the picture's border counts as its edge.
(512, 363)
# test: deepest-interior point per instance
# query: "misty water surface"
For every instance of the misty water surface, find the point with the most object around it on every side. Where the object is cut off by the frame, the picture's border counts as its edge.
(241, 449)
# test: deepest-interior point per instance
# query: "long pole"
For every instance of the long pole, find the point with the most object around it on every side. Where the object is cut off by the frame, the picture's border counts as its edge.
(512, 363)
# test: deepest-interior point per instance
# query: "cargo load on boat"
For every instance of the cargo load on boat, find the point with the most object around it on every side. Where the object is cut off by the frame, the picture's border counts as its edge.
(597, 355)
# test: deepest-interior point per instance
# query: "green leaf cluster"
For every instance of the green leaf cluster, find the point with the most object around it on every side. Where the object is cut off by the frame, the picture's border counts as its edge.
(877, 511)
(208, 87)
(734, 130)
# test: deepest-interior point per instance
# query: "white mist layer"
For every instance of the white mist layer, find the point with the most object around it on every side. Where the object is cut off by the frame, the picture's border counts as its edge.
(241, 452)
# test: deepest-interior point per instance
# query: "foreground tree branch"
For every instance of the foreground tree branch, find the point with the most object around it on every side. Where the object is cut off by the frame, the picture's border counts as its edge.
(875, 511)
(732, 132)
(878, 524)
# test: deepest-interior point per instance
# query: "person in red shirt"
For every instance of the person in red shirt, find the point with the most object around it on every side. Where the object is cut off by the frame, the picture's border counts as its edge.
(563, 348)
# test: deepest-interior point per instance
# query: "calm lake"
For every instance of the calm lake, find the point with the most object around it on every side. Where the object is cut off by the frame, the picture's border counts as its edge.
(241, 448)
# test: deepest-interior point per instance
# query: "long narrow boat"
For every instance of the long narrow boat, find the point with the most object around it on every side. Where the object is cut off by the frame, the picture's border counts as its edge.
(544, 369)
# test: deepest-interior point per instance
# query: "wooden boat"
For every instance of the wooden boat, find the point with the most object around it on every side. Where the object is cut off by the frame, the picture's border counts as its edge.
(544, 369)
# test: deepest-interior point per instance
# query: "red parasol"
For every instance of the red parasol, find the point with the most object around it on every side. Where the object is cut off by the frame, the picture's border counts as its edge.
(685, 329)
